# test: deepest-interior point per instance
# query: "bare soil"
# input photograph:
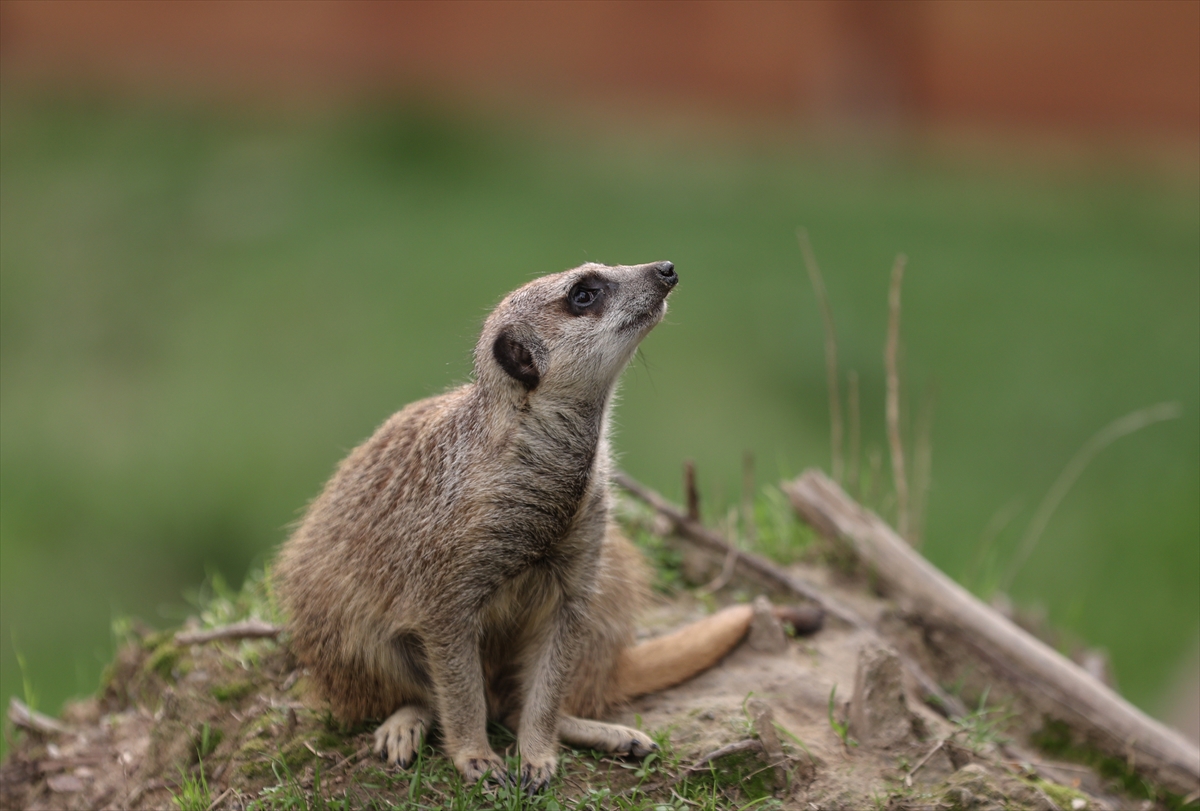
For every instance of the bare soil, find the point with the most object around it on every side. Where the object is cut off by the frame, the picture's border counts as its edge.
(245, 714)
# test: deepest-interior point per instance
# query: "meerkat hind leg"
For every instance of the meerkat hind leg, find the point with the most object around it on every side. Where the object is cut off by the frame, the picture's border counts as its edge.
(398, 739)
(588, 734)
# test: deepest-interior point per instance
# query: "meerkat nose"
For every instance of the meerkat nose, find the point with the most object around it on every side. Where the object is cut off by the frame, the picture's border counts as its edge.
(666, 272)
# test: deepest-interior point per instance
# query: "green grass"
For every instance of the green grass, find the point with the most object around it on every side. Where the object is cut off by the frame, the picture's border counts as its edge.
(201, 311)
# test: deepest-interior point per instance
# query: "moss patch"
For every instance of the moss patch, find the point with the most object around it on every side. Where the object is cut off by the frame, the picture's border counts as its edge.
(232, 691)
(164, 660)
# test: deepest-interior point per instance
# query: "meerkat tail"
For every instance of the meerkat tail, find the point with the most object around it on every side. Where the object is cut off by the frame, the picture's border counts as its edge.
(668, 660)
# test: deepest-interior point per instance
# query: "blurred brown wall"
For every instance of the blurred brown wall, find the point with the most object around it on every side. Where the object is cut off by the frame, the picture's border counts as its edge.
(1108, 65)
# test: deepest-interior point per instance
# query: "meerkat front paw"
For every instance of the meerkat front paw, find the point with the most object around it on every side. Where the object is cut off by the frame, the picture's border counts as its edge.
(536, 774)
(398, 739)
(479, 765)
(632, 742)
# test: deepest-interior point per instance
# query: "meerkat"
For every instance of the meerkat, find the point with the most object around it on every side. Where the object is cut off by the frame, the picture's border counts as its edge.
(462, 565)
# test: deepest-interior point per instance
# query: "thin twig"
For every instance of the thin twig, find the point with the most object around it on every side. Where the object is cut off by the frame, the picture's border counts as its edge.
(760, 566)
(1116, 429)
(831, 373)
(942, 742)
(220, 797)
(354, 757)
(22, 716)
(853, 476)
(769, 572)
(748, 745)
(250, 629)
(684, 800)
(893, 397)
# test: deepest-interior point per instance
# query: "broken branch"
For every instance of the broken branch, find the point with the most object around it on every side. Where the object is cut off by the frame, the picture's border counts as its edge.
(250, 629)
(22, 716)
(1118, 728)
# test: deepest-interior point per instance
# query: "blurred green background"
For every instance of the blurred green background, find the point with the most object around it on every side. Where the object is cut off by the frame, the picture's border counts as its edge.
(202, 313)
(204, 307)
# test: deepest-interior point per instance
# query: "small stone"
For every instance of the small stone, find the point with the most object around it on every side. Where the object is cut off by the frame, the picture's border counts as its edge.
(879, 715)
(64, 783)
(766, 632)
(764, 724)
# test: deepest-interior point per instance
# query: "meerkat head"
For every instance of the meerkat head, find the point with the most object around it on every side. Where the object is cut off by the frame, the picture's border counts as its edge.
(572, 333)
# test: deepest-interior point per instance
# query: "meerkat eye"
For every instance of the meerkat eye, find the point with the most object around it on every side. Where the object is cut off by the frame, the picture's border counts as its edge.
(582, 297)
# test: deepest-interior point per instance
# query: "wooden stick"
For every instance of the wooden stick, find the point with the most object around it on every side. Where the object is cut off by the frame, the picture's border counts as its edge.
(22, 716)
(937, 747)
(893, 397)
(763, 568)
(1114, 725)
(775, 577)
(748, 745)
(250, 629)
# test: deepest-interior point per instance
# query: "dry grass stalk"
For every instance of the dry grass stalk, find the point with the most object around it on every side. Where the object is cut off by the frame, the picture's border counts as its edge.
(749, 525)
(875, 459)
(890, 354)
(853, 475)
(1001, 519)
(922, 466)
(835, 406)
(1116, 429)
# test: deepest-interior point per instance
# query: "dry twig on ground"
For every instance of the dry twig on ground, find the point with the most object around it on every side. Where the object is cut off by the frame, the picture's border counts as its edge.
(22, 716)
(250, 629)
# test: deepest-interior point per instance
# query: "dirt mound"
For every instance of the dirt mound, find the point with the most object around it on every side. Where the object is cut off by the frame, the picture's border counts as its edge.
(820, 722)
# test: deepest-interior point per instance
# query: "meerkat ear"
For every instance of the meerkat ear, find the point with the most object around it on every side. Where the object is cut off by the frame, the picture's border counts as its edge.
(516, 355)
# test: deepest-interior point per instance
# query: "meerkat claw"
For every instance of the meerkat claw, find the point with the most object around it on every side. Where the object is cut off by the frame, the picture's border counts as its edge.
(535, 778)
(398, 739)
(489, 769)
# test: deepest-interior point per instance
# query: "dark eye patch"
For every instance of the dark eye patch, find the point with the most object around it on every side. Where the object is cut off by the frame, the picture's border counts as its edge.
(587, 296)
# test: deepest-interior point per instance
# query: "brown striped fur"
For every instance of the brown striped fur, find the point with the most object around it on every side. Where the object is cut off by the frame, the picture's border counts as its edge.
(461, 564)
